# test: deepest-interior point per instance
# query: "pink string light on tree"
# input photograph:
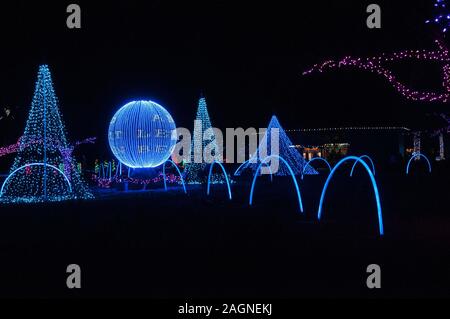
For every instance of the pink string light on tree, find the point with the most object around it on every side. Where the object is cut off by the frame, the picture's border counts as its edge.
(66, 152)
(10, 149)
(377, 65)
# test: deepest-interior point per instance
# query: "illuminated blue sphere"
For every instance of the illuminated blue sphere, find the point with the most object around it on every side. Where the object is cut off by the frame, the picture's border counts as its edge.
(142, 134)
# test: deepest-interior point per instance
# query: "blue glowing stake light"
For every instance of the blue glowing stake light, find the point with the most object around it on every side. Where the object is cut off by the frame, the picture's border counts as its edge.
(237, 172)
(313, 160)
(178, 171)
(418, 155)
(291, 172)
(224, 173)
(374, 185)
(356, 163)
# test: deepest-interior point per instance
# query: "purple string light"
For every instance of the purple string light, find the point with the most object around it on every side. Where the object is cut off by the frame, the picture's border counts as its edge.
(376, 65)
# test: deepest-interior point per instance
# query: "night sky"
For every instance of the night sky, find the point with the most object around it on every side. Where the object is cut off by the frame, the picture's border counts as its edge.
(246, 58)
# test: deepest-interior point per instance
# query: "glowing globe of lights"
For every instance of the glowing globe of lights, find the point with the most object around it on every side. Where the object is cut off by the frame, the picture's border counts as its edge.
(142, 134)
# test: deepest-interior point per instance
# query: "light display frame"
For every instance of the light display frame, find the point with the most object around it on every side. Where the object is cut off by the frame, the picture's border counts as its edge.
(142, 134)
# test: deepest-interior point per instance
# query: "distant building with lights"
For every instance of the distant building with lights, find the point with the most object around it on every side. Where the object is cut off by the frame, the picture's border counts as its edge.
(384, 143)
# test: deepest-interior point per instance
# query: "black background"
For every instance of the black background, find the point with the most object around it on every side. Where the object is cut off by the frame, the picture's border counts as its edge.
(246, 57)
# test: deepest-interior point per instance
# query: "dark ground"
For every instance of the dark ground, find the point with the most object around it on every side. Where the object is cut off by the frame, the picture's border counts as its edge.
(157, 244)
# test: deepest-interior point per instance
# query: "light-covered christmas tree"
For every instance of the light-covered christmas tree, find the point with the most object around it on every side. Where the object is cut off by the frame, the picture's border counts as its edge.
(196, 172)
(285, 150)
(44, 169)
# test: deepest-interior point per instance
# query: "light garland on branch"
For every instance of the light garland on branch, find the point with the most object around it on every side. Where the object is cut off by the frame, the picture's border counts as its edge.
(377, 64)
(10, 149)
(66, 153)
(104, 182)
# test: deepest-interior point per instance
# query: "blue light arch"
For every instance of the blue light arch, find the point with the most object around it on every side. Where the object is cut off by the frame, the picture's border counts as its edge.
(35, 164)
(356, 163)
(270, 170)
(224, 173)
(291, 172)
(313, 160)
(418, 155)
(179, 173)
(374, 186)
(241, 166)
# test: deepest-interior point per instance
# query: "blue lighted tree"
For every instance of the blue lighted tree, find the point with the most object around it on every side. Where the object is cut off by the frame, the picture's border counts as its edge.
(285, 150)
(44, 169)
(196, 172)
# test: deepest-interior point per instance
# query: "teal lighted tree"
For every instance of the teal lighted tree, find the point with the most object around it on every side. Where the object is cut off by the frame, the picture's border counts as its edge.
(44, 169)
(196, 169)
